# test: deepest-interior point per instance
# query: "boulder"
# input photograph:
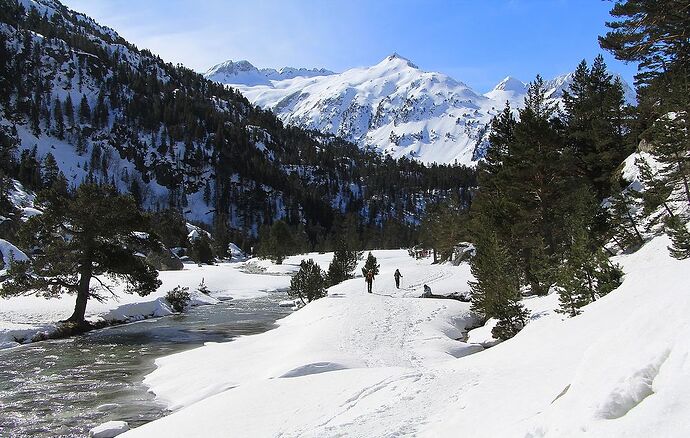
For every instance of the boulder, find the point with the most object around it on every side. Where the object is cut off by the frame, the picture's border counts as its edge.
(164, 260)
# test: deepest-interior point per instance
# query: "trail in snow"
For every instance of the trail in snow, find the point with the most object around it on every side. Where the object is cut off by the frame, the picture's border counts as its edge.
(624, 362)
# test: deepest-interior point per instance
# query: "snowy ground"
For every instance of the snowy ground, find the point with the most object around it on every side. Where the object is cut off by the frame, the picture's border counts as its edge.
(387, 364)
(24, 316)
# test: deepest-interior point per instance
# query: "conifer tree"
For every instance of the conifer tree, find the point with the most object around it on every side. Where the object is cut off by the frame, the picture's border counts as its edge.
(59, 120)
(624, 208)
(594, 118)
(50, 171)
(276, 242)
(677, 229)
(496, 291)
(202, 251)
(371, 265)
(84, 111)
(671, 141)
(343, 265)
(309, 283)
(90, 235)
(69, 110)
(656, 189)
(586, 275)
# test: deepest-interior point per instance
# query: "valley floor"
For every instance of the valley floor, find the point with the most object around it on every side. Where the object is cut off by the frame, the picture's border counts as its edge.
(388, 364)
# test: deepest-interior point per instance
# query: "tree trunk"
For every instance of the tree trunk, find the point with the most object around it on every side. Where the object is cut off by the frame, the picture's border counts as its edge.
(85, 275)
(634, 225)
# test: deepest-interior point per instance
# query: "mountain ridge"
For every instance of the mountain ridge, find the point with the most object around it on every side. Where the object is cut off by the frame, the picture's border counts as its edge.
(394, 107)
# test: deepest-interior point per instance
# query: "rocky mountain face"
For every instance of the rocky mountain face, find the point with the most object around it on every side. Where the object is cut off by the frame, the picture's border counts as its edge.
(393, 107)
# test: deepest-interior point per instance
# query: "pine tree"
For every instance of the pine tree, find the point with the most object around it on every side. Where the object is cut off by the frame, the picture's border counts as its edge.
(84, 111)
(69, 110)
(496, 291)
(594, 120)
(80, 147)
(50, 170)
(656, 190)
(309, 283)
(654, 34)
(202, 251)
(623, 208)
(677, 229)
(371, 265)
(343, 265)
(586, 275)
(671, 142)
(90, 235)
(276, 242)
(59, 120)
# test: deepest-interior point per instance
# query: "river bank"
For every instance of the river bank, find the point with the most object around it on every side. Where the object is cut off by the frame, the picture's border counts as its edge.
(65, 387)
(24, 319)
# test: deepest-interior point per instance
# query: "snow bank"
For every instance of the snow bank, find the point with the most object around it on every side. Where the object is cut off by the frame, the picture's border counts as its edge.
(619, 369)
(9, 252)
(22, 317)
(109, 429)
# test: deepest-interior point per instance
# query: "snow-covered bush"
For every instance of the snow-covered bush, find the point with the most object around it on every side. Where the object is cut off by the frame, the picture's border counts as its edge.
(178, 298)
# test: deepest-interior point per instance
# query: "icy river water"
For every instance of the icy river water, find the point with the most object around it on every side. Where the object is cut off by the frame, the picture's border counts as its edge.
(63, 388)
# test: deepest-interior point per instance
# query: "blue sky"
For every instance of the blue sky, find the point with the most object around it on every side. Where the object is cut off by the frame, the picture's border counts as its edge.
(478, 42)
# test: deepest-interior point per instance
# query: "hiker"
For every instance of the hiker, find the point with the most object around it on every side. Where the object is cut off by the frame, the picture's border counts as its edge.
(427, 292)
(369, 278)
(397, 276)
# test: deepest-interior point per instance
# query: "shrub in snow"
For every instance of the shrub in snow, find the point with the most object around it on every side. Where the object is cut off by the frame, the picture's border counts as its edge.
(309, 283)
(203, 288)
(178, 298)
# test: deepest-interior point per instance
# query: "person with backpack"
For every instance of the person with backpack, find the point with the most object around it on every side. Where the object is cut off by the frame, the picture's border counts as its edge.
(397, 277)
(369, 278)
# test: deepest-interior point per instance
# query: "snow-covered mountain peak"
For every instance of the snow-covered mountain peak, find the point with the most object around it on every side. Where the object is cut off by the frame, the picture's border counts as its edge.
(511, 84)
(236, 72)
(393, 106)
(397, 60)
(245, 73)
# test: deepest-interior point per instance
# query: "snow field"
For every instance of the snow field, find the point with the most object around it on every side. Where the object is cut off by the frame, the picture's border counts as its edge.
(619, 369)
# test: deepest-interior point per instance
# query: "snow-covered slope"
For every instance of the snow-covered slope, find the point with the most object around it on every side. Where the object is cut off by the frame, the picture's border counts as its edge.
(387, 364)
(510, 90)
(243, 72)
(514, 90)
(393, 106)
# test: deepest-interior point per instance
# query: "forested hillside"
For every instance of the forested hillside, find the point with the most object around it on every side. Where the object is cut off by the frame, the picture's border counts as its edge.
(79, 103)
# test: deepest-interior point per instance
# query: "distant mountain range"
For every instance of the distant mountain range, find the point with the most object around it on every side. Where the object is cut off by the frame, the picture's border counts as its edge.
(393, 106)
